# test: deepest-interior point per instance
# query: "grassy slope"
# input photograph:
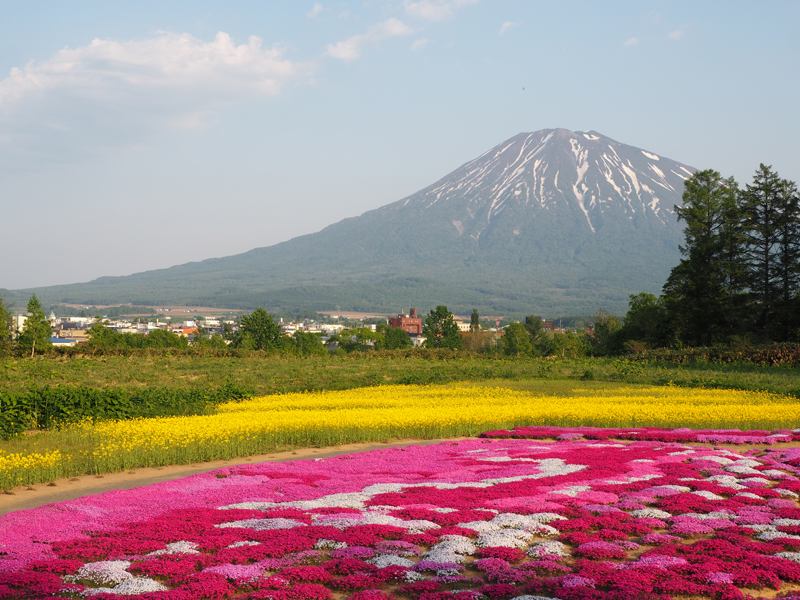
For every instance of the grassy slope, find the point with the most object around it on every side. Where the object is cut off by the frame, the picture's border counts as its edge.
(280, 375)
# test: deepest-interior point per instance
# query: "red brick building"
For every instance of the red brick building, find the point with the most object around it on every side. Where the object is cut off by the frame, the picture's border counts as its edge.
(409, 323)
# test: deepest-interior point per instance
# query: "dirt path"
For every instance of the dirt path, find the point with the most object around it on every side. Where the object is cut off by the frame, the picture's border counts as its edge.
(25, 497)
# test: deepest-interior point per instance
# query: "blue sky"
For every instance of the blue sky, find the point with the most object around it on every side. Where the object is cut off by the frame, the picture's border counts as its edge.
(136, 136)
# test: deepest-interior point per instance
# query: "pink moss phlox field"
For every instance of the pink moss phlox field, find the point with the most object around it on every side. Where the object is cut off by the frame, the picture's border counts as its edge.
(497, 519)
(712, 436)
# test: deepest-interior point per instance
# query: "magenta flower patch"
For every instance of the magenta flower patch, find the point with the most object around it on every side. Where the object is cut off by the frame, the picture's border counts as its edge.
(500, 519)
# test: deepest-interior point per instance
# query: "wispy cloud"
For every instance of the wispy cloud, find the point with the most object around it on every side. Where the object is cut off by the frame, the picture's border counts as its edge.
(314, 12)
(419, 44)
(352, 47)
(434, 10)
(678, 33)
(112, 91)
(506, 26)
(631, 42)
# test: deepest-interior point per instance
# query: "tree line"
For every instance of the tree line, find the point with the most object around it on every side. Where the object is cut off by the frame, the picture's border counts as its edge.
(739, 278)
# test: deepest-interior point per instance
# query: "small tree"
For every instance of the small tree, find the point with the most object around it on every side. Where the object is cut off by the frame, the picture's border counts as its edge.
(5, 329)
(646, 319)
(607, 338)
(308, 344)
(516, 341)
(541, 343)
(440, 329)
(395, 338)
(36, 332)
(257, 331)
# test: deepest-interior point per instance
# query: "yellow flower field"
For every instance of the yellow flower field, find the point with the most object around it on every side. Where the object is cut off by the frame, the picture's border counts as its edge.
(382, 413)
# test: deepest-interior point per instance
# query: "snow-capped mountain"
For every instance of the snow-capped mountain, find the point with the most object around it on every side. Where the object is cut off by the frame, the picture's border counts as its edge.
(556, 170)
(550, 222)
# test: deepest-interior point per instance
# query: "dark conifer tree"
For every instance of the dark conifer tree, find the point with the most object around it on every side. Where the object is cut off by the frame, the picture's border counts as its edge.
(788, 303)
(701, 292)
(762, 214)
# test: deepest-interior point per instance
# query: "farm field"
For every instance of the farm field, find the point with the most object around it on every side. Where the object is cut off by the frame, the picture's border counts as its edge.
(281, 374)
(378, 414)
(489, 518)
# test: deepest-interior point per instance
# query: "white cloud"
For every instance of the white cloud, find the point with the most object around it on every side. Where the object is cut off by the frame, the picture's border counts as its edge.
(434, 10)
(632, 41)
(419, 44)
(111, 92)
(678, 33)
(506, 26)
(312, 14)
(352, 47)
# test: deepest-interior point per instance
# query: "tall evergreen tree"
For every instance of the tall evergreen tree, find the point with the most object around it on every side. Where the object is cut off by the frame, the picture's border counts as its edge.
(788, 304)
(701, 291)
(762, 215)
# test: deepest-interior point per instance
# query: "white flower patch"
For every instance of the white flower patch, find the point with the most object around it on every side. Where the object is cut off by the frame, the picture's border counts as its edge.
(443, 555)
(717, 459)
(177, 548)
(343, 522)
(419, 525)
(548, 548)
(241, 544)
(129, 587)
(768, 536)
(715, 514)
(507, 538)
(441, 510)
(678, 488)
(643, 460)
(263, 524)
(412, 576)
(527, 597)
(138, 585)
(388, 560)
(792, 556)
(742, 470)
(749, 462)
(103, 572)
(650, 513)
(323, 544)
(545, 517)
(776, 474)
(761, 481)
(761, 527)
(747, 495)
(728, 481)
(786, 522)
(708, 495)
(785, 492)
(682, 452)
(572, 491)
(456, 543)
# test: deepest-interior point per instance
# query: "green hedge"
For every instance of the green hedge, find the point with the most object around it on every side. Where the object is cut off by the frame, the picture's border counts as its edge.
(785, 355)
(48, 407)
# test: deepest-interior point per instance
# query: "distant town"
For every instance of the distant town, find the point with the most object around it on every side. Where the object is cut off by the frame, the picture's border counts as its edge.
(71, 330)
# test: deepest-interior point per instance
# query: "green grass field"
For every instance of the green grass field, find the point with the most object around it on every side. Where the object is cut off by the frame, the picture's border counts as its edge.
(271, 375)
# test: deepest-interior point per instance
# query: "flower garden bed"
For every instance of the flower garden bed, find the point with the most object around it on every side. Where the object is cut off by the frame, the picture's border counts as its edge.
(483, 518)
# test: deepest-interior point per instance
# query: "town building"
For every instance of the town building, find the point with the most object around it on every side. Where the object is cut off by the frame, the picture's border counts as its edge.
(409, 323)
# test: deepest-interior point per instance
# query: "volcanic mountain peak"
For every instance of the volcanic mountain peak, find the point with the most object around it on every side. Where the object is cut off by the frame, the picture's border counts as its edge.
(581, 171)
